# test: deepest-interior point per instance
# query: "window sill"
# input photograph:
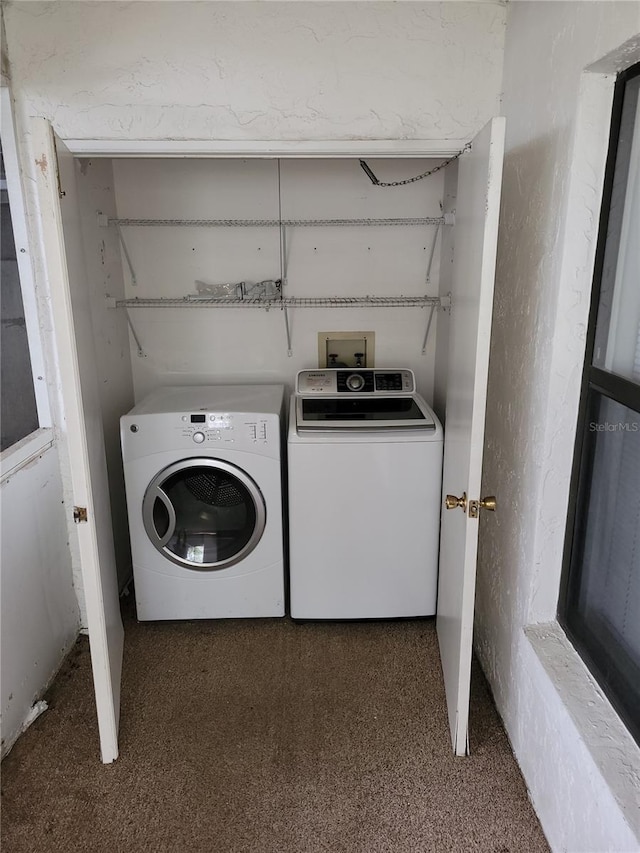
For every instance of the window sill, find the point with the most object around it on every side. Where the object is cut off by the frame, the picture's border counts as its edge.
(20, 454)
(613, 750)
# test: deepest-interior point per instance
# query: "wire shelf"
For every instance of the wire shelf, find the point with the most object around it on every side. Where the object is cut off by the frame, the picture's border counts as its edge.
(275, 223)
(285, 302)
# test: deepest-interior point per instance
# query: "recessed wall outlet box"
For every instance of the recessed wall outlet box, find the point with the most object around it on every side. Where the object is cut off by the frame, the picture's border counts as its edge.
(346, 349)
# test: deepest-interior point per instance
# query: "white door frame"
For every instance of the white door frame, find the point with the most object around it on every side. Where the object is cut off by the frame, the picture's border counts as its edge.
(262, 148)
(55, 256)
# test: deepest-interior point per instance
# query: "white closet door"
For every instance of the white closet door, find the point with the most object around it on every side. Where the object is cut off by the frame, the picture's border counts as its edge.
(74, 336)
(477, 210)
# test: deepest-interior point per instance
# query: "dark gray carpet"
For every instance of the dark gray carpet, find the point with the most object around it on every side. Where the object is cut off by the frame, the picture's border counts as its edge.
(265, 735)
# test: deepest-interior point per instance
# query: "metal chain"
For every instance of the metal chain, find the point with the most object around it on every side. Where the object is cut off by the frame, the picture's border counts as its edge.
(378, 183)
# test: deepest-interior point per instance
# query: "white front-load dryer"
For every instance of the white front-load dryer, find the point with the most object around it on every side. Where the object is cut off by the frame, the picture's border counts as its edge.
(203, 478)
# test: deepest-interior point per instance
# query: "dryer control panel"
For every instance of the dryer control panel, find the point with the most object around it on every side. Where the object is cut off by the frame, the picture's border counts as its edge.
(206, 430)
(205, 420)
(225, 427)
(331, 381)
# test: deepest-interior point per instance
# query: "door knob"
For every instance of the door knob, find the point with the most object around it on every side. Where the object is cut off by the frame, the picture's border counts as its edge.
(452, 502)
(488, 503)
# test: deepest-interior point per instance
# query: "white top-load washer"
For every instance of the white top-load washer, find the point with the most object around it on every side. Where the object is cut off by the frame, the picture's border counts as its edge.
(365, 474)
(203, 479)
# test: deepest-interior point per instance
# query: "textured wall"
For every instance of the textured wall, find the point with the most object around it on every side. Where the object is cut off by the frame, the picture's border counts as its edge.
(541, 307)
(229, 70)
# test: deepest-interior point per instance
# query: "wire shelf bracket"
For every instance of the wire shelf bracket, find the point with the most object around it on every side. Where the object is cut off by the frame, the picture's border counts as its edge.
(127, 256)
(141, 352)
(428, 329)
(432, 251)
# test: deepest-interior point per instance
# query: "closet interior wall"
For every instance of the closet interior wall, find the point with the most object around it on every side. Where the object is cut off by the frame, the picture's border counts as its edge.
(203, 345)
(104, 281)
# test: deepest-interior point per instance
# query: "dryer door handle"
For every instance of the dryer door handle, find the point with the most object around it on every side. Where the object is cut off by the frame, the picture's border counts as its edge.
(149, 524)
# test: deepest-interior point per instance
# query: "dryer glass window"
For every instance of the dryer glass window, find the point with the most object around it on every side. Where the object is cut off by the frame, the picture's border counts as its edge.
(204, 515)
(215, 516)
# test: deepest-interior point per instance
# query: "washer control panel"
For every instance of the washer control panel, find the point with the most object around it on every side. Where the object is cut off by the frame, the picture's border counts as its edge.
(332, 381)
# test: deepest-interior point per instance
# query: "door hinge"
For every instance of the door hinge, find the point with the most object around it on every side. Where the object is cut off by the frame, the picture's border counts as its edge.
(79, 514)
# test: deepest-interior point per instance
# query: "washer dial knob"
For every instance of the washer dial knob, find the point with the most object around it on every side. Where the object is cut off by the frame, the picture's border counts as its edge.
(355, 382)
(198, 437)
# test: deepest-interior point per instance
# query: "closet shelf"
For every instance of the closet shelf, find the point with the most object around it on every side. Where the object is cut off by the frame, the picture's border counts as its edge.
(285, 302)
(276, 223)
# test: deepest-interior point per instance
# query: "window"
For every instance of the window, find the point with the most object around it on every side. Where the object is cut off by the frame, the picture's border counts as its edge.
(25, 416)
(600, 597)
(18, 411)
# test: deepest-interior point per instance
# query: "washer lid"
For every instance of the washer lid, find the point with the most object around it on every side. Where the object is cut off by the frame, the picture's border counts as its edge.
(364, 412)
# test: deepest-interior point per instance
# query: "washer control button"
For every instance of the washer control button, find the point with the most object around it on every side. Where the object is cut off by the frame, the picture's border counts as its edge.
(198, 437)
(355, 382)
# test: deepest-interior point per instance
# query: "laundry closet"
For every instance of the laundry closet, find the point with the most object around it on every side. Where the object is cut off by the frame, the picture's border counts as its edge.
(169, 243)
(178, 270)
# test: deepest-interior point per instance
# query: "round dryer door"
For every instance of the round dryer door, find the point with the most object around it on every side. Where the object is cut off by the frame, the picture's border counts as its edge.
(204, 514)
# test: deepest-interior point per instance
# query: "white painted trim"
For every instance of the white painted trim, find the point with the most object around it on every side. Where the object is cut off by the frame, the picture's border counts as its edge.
(264, 148)
(623, 57)
(16, 457)
(25, 270)
(613, 751)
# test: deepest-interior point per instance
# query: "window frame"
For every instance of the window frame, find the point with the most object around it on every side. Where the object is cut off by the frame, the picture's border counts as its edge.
(36, 442)
(595, 381)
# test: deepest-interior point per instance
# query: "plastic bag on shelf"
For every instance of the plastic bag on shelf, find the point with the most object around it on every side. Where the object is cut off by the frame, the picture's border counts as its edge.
(221, 291)
(267, 289)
